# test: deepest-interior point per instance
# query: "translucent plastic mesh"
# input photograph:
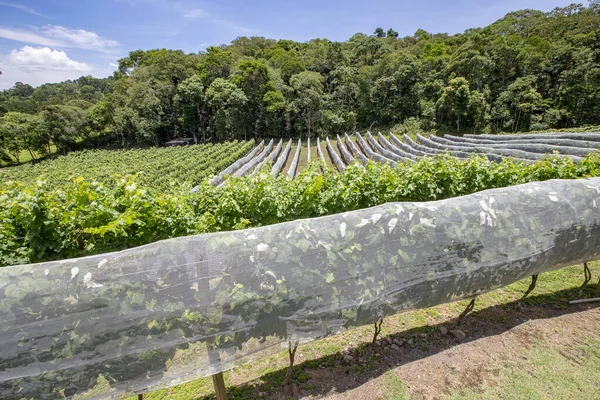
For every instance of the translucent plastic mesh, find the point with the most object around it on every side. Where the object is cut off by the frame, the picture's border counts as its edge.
(180, 309)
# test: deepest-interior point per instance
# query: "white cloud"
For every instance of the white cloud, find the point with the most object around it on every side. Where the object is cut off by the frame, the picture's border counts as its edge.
(23, 8)
(61, 37)
(79, 38)
(36, 66)
(29, 37)
(44, 58)
(194, 14)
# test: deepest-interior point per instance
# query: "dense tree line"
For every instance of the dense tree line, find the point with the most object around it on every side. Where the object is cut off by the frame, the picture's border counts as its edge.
(529, 70)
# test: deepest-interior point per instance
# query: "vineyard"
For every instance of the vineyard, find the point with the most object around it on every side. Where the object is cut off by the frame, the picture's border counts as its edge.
(105, 209)
(391, 150)
(193, 306)
(181, 309)
(171, 168)
(165, 168)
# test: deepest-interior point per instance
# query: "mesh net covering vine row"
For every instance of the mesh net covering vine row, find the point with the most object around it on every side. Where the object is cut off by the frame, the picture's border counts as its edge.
(180, 309)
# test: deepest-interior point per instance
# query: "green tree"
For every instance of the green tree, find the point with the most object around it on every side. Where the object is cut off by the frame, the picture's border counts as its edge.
(367, 49)
(379, 32)
(392, 33)
(190, 94)
(392, 92)
(252, 76)
(147, 112)
(62, 126)
(518, 103)
(275, 103)
(454, 102)
(139, 113)
(100, 116)
(287, 62)
(14, 128)
(479, 111)
(578, 90)
(308, 98)
(227, 102)
(217, 63)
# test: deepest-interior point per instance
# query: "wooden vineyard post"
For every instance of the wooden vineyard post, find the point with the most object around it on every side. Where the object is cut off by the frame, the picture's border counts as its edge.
(219, 384)
(598, 288)
(202, 269)
(218, 380)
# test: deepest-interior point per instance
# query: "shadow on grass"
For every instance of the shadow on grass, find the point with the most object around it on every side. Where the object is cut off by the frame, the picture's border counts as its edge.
(337, 373)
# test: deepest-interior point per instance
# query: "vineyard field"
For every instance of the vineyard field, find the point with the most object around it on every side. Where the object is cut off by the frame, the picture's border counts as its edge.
(98, 202)
(126, 198)
(167, 168)
(342, 152)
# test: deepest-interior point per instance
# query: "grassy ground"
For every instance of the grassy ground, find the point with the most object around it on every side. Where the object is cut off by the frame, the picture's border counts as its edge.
(25, 157)
(303, 162)
(532, 368)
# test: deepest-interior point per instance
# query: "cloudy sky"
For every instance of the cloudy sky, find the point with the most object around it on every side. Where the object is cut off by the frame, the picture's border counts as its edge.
(53, 40)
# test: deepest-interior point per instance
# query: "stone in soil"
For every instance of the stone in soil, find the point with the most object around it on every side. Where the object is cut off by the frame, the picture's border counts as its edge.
(443, 330)
(457, 333)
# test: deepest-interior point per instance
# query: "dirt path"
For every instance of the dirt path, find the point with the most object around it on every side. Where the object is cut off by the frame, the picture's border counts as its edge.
(479, 363)
(303, 163)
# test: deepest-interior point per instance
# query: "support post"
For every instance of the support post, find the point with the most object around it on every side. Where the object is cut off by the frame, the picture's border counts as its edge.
(219, 384)
(467, 310)
(141, 396)
(598, 288)
(531, 286)
(203, 274)
(377, 330)
(587, 277)
(292, 355)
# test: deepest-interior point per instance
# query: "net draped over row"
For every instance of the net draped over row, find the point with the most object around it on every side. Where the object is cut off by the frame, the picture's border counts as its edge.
(184, 308)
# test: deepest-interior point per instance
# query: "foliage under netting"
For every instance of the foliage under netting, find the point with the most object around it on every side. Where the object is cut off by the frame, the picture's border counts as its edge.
(166, 168)
(44, 222)
(175, 310)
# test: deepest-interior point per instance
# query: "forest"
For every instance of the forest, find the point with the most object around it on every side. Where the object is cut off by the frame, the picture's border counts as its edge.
(530, 70)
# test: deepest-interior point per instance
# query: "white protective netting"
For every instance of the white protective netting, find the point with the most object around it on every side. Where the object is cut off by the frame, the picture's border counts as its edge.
(180, 309)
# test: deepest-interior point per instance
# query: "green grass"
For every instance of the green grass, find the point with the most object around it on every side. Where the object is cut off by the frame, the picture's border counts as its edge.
(393, 388)
(25, 157)
(303, 161)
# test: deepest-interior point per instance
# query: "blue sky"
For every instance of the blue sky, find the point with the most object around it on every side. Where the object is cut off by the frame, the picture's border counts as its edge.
(52, 40)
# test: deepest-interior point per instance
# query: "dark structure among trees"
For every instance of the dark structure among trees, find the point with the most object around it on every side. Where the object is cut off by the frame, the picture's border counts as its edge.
(180, 142)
